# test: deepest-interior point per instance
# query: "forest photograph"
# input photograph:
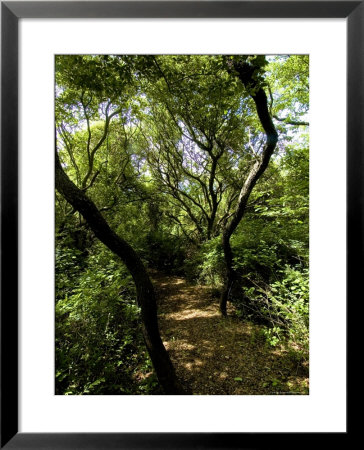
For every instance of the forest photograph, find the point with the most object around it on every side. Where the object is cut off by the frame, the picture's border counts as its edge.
(181, 224)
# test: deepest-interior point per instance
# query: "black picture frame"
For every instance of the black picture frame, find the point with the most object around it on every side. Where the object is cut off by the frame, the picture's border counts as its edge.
(11, 12)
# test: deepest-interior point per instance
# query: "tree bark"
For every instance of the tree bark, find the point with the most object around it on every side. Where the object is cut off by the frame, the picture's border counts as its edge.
(245, 73)
(145, 293)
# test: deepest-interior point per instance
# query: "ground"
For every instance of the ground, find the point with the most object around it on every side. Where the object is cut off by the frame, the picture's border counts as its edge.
(216, 355)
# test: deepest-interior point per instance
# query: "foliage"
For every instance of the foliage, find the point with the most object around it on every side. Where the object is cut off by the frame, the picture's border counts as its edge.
(164, 252)
(205, 265)
(286, 307)
(99, 349)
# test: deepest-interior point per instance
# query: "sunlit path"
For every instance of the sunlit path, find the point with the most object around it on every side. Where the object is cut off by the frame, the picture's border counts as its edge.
(220, 356)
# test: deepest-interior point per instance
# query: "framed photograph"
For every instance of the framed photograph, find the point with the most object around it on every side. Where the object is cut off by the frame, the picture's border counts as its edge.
(152, 171)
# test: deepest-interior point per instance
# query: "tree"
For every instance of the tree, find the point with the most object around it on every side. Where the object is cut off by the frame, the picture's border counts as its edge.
(145, 292)
(197, 140)
(194, 124)
(249, 72)
(85, 206)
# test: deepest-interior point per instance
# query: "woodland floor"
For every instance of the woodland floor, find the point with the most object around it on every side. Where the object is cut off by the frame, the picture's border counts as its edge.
(216, 355)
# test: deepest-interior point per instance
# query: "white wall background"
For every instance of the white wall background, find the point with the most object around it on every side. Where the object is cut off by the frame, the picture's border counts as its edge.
(324, 408)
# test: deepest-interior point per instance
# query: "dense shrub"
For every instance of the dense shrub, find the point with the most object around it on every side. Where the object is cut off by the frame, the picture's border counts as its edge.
(99, 345)
(164, 252)
(284, 305)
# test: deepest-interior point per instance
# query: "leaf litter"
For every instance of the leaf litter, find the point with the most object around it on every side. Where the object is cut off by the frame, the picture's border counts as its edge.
(220, 356)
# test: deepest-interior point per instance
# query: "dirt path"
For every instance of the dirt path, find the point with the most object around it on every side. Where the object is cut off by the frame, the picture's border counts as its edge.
(213, 355)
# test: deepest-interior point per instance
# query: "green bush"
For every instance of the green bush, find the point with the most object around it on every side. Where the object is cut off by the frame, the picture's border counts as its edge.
(99, 344)
(163, 252)
(205, 265)
(285, 306)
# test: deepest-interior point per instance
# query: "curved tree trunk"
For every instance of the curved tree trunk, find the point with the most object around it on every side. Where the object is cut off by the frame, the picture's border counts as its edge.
(245, 73)
(145, 292)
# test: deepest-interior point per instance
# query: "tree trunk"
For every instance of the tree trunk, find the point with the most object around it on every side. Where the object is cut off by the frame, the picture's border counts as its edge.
(145, 292)
(230, 273)
(245, 73)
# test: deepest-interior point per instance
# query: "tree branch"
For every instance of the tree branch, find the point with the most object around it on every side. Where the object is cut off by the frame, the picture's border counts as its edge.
(288, 121)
